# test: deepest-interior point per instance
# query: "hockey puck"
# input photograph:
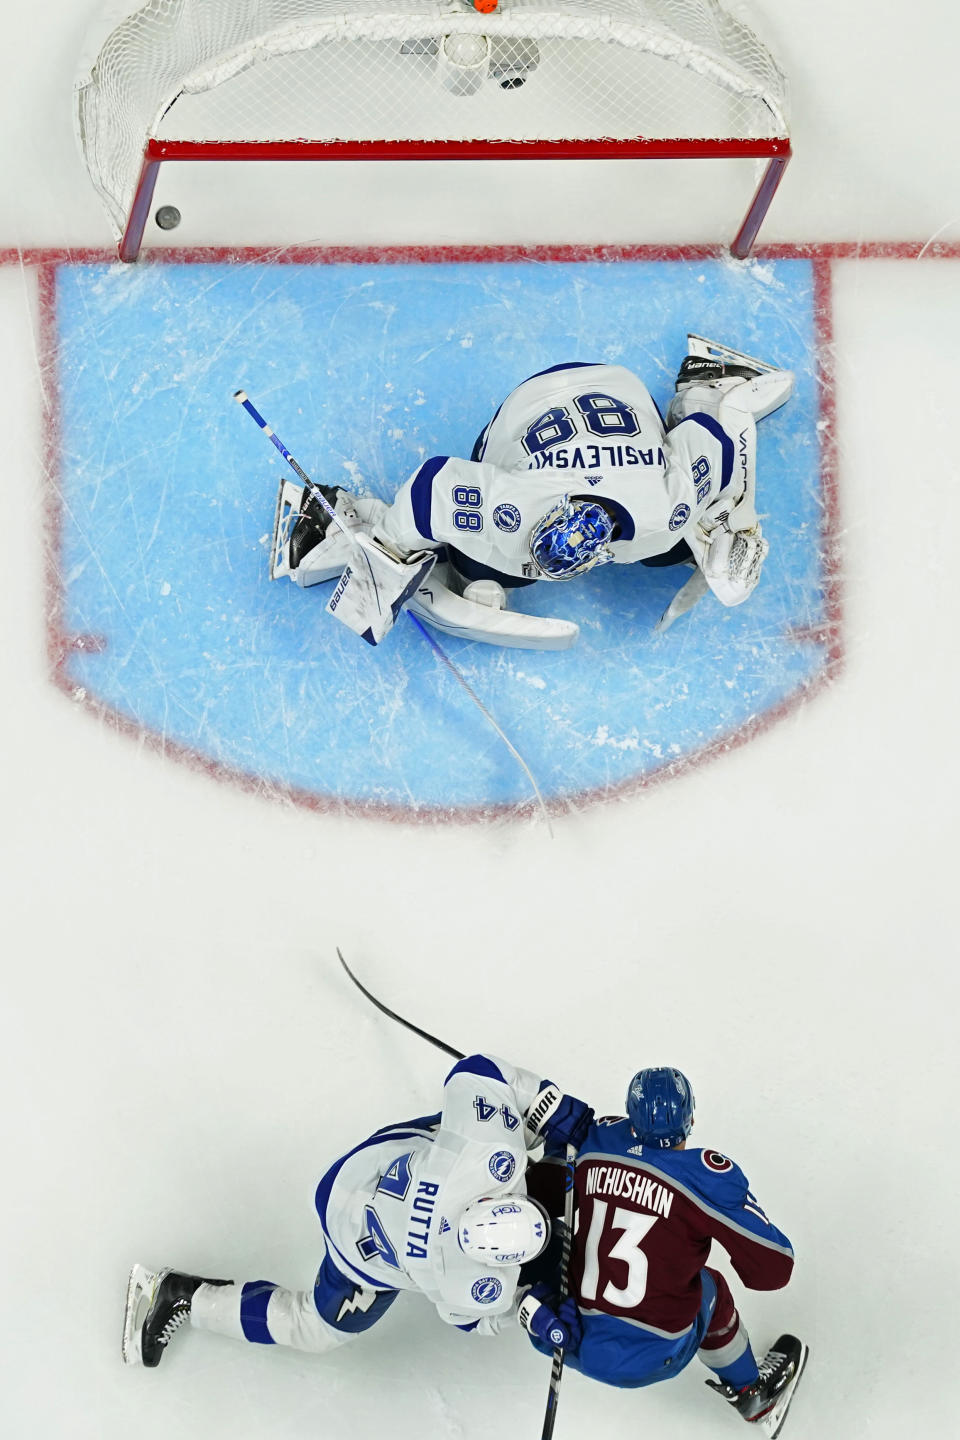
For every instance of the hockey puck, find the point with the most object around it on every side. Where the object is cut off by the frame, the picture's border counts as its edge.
(167, 217)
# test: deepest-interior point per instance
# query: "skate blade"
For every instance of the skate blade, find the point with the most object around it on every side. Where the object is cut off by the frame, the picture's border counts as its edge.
(285, 517)
(714, 350)
(141, 1288)
(773, 1422)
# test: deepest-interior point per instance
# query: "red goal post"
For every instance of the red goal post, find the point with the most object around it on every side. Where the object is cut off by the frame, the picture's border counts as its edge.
(420, 80)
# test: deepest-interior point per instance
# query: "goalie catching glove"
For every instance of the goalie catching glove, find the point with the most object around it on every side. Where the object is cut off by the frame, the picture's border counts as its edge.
(732, 562)
(544, 1319)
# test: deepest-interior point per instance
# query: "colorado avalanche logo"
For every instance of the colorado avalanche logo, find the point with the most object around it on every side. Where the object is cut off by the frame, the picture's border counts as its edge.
(715, 1161)
(507, 517)
(487, 1290)
(502, 1165)
(680, 516)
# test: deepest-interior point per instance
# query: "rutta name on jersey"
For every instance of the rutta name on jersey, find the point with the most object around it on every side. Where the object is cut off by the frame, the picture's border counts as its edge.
(421, 1213)
(630, 1184)
(593, 457)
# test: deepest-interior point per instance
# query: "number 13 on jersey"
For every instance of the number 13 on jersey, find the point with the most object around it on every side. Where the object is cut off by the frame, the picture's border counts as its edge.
(634, 1228)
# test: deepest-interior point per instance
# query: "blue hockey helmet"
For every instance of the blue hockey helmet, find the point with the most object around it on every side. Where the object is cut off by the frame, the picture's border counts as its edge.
(660, 1105)
(571, 538)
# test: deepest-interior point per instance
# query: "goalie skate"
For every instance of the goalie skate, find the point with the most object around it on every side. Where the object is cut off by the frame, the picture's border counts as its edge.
(714, 350)
(772, 387)
(289, 497)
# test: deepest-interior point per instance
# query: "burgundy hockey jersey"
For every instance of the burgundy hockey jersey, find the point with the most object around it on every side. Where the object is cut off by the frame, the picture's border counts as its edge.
(646, 1219)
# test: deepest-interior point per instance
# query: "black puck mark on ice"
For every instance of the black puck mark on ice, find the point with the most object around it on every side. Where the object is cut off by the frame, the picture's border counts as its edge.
(167, 217)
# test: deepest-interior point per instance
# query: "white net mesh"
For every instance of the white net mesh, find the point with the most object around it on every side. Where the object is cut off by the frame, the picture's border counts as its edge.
(325, 70)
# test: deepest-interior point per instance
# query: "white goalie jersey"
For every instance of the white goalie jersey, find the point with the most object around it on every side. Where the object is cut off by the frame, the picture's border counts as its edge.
(591, 432)
(390, 1208)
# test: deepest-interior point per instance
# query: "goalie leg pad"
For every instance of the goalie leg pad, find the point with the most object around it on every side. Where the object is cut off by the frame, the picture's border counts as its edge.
(442, 608)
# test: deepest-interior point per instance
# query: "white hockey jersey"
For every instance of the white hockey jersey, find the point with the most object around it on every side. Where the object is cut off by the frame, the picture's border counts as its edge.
(590, 431)
(390, 1207)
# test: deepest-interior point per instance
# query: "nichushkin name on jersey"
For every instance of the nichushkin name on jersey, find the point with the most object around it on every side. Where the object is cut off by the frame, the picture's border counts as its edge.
(594, 457)
(632, 1185)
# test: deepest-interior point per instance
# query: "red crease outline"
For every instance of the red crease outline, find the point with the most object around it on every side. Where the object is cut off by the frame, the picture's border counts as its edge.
(60, 644)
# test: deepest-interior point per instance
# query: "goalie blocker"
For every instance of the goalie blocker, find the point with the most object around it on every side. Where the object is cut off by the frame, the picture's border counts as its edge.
(375, 586)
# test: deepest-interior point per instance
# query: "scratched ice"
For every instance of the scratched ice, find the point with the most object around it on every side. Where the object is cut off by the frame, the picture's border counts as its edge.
(170, 492)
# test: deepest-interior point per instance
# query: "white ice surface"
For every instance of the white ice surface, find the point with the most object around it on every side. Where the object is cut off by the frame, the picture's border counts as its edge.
(180, 1058)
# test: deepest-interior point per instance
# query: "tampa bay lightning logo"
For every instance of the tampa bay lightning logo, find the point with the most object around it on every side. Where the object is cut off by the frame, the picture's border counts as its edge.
(487, 1290)
(502, 1166)
(680, 516)
(507, 517)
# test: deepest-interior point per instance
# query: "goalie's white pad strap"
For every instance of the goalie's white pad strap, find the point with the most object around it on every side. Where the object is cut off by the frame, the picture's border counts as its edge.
(374, 588)
(453, 614)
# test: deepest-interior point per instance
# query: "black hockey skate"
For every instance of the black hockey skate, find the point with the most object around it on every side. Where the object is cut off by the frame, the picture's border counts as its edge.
(766, 1402)
(703, 367)
(312, 523)
(158, 1303)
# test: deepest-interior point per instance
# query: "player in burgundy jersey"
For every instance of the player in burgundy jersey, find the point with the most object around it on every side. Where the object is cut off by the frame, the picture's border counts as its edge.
(648, 1211)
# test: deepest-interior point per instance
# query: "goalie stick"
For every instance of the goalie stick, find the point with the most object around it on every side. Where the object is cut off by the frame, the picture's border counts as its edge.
(361, 544)
(566, 1239)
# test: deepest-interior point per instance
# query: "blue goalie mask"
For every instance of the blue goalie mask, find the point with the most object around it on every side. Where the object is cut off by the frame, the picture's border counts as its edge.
(660, 1105)
(570, 539)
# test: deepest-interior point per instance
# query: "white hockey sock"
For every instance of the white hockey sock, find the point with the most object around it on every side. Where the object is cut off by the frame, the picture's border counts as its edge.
(290, 1318)
(217, 1308)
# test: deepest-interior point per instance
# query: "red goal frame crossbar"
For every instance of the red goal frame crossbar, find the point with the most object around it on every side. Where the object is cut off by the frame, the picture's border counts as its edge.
(777, 152)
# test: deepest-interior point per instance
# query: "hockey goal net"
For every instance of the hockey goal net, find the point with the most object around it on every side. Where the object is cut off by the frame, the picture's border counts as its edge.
(421, 79)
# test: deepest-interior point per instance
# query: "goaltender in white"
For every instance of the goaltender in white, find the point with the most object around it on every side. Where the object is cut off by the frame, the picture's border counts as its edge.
(576, 469)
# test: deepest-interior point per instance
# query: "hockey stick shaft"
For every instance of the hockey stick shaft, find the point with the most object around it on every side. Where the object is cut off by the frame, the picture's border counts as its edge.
(566, 1240)
(355, 537)
(243, 399)
(445, 659)
(424, 1034)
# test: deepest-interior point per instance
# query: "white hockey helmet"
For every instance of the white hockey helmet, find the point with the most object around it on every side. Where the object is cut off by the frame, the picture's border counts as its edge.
(503, 1231)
